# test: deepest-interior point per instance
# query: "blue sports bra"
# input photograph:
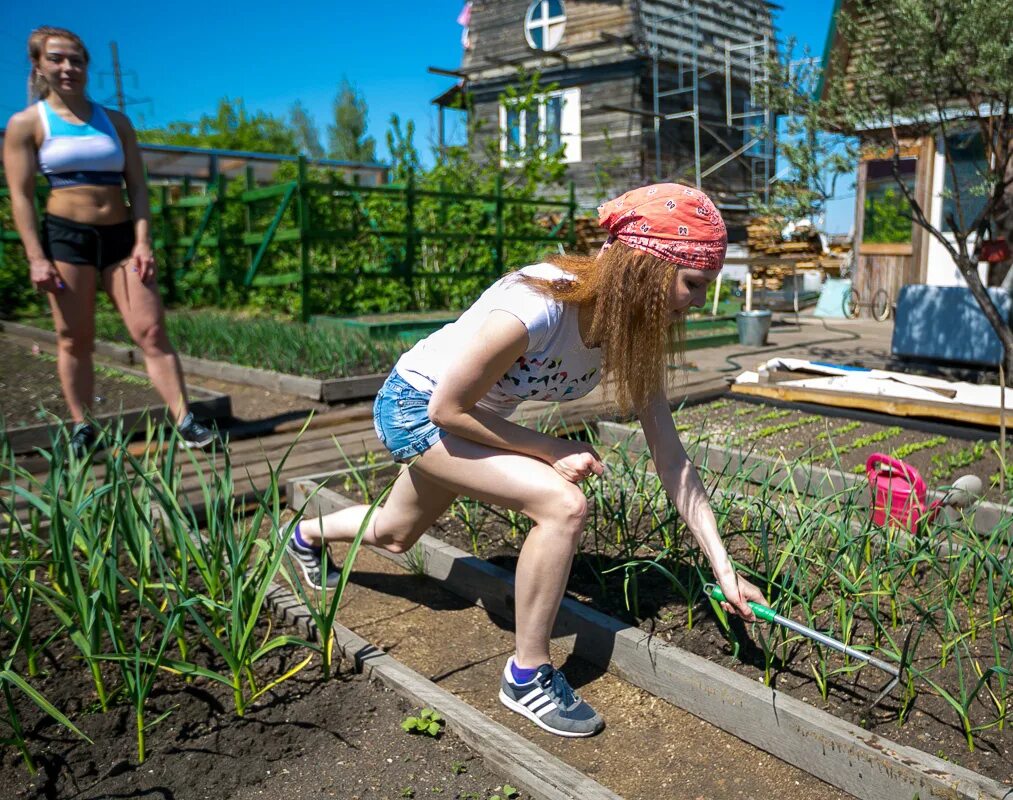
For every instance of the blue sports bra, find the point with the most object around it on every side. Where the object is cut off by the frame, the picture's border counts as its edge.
(80, 155)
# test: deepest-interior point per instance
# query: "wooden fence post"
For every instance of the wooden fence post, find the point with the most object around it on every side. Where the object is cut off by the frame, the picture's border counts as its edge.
(499, 255)
(304, 245)
(251, 183)
(221, 188)
(166, 223)
(408, 269)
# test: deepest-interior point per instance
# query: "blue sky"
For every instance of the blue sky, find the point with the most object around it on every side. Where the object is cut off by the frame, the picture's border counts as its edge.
(187, 55)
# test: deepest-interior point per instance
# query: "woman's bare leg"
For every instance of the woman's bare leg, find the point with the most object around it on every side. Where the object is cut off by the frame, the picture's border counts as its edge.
(74, 320)
(456, 466)
(140, 305)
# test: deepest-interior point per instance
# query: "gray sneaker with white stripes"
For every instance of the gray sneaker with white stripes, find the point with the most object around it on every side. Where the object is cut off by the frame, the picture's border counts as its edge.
(549, 702)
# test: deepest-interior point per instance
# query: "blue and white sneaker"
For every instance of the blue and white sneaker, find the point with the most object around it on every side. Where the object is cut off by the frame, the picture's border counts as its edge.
(194, 435)
(549, 702)
(311, 560)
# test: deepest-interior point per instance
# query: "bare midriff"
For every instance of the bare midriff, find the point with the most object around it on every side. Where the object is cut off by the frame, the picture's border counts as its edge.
(89, 205)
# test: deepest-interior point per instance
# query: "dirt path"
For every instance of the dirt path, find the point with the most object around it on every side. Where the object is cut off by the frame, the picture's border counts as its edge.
(649, 749)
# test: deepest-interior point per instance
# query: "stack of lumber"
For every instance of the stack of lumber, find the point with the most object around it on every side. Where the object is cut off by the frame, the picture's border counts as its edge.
(761, 233)
(590, 235)
(763, 236)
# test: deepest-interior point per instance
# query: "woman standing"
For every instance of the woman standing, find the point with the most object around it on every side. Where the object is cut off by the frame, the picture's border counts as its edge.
(547, 332)
(88, 234)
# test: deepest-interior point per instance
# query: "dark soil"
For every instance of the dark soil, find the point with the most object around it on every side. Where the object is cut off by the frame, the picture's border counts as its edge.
(306, 738)
(30, 390)
(939, 460)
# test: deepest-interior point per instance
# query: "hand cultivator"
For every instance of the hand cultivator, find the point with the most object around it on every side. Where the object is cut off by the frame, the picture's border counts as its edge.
(768, 614)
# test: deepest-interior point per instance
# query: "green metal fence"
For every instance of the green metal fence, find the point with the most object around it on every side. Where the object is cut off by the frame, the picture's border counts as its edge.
(315, 229)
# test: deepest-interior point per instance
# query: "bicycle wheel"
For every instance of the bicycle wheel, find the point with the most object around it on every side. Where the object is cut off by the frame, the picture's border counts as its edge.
(881, 306)
(849, 305)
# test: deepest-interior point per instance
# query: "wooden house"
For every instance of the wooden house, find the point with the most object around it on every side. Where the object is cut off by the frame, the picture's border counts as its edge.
(890, 250)
(643, 90)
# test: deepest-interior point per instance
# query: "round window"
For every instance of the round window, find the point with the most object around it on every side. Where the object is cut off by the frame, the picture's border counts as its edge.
(544, 24)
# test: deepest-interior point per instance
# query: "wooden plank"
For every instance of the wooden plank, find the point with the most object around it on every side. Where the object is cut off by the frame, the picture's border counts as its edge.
(114, 352)
(211, 405)
(252, 462)
(352, 388)
(877, 249)
(509, 754)
(899, 407)
(252, 376)
(254, 475)
(867, 765)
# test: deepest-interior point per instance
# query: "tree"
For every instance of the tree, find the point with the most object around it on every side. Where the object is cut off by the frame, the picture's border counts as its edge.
(940, 68)
(305, 130)
(348, 140)
(816, 157)
(231, 128)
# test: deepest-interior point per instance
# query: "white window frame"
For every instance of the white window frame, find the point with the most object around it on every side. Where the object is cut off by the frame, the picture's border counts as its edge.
(569, 124)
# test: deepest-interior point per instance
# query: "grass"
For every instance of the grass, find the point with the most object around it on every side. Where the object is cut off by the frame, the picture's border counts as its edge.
(290, 347)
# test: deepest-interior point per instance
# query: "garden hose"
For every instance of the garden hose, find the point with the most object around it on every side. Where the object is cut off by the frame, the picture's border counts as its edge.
(735, 365)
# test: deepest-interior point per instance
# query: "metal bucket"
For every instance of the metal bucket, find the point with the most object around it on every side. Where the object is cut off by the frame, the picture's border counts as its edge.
(753, 327)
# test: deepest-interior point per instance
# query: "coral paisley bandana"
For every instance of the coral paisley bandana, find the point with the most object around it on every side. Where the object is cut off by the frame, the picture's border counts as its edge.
(668, 220)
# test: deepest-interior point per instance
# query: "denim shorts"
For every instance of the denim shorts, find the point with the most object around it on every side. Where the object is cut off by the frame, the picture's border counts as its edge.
(401, 419)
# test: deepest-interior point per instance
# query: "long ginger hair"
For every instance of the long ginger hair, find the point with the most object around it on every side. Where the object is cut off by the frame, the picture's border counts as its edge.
(627, 291)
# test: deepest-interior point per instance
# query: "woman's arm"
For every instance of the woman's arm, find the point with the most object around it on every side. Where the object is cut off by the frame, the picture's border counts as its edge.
(500, 341)
(682, 482)
(20, 166)
(137, 190)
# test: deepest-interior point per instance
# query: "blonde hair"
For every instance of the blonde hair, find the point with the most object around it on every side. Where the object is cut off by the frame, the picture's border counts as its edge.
(627, 291)
(38, 87)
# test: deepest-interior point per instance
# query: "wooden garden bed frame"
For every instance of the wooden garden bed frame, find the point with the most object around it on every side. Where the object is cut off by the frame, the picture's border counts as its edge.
(865, 764)
(813, 481)
(205, 404)
(332, 390)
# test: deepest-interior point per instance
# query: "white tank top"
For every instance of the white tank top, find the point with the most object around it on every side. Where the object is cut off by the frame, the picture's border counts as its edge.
(80, 155)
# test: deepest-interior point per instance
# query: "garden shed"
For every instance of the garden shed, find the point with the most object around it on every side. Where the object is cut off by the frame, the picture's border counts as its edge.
(891, 250)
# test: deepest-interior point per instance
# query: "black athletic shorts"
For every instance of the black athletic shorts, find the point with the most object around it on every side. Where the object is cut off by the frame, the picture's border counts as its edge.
(77, 243)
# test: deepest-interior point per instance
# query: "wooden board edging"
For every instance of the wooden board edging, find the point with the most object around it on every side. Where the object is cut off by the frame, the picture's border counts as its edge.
(114, 352)
(358, 387)
(509, 754)
(844, 755)
(252, 376)
(817, 481)
(898, 407)
(212, 405)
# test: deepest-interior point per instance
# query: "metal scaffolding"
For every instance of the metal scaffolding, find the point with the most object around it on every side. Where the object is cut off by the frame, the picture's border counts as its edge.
(685, 49)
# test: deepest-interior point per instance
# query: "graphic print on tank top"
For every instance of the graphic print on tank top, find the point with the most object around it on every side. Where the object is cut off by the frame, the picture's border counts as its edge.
(546, 379)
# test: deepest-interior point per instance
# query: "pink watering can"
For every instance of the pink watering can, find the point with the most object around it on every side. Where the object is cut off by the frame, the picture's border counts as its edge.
(899, 493)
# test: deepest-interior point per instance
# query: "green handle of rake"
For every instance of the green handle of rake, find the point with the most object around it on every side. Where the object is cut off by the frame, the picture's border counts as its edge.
(769, 615)
(761, 611)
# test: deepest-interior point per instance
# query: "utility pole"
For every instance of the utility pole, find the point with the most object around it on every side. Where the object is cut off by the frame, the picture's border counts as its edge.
(121, 99)
(121, 102)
